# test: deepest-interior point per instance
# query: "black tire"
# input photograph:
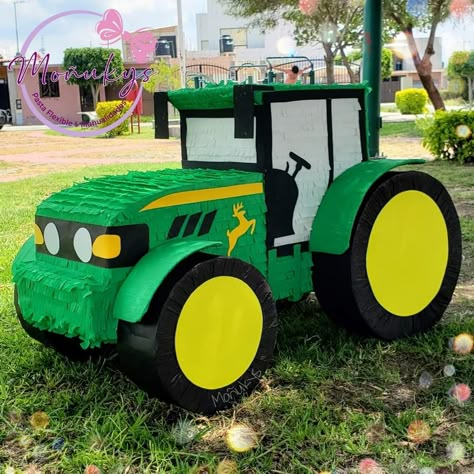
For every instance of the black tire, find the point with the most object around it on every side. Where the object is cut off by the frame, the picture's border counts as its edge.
(353, 299)
(152, 351)
(66, 346)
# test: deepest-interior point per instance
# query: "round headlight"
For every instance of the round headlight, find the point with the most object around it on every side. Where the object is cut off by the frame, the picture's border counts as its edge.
(83, 245)
(51, 238)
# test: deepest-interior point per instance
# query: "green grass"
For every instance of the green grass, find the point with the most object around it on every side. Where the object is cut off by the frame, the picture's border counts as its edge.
(329, 400)
(400, 129)
(389, 108)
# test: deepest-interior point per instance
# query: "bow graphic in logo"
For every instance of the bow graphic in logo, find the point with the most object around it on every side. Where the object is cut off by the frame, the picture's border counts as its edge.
(142, 42)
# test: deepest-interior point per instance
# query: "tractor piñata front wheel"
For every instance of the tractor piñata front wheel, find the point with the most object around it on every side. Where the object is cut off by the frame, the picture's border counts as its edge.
(399, 274)
(210, 340)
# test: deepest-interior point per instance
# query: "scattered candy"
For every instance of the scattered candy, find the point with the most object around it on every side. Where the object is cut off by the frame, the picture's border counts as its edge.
(91, 469)
(463, 344)
(39, 420)
(460, 392)
(308, 7)
(184, 432)
(449, 370)
(463, 131)
(227, 467)
(419, 431)
(426, 380)
(241, 438)
(369, 466)
(455, 451)
(58, 444)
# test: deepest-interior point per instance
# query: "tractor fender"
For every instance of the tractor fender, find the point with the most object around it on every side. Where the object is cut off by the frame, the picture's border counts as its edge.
(137, 291)
(332, 227)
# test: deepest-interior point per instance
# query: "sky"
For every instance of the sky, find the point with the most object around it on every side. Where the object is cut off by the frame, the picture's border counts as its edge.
(79, 30)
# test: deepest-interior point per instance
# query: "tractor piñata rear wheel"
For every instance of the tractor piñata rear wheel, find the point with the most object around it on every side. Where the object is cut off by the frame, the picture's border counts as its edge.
(210, 341)
(399, 274)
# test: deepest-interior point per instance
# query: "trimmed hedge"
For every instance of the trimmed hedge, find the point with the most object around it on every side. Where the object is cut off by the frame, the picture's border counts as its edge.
(112, 111)
(449, 135)
(411, 101)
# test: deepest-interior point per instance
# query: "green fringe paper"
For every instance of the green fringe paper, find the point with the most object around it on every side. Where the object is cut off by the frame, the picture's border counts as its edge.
(221, 96)
(57, 295)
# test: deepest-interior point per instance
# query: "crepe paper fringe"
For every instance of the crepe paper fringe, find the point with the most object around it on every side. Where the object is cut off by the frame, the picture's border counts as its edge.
(117, 200)
(60, 298)
(221, 96)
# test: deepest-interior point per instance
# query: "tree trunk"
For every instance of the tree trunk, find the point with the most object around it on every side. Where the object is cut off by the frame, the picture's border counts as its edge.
(95, 94)
(424, 66)
(351, 73)
(329, 59)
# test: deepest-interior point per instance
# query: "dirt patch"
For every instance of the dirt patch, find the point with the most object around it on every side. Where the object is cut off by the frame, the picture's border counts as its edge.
(403, 147)
(28, 154)
(465, 209)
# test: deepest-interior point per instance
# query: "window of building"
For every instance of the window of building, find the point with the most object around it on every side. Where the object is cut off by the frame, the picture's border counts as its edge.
(50, 89)
(239, 35)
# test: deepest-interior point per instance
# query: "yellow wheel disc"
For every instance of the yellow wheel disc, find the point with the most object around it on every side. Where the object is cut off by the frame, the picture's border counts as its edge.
(218, 332)
(407, 253)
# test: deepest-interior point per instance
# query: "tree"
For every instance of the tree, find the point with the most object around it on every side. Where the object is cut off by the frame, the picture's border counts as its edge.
(164, 77)
(427, 17)
(387, 63)
(461, 65)
(335, 24)
(107, 64)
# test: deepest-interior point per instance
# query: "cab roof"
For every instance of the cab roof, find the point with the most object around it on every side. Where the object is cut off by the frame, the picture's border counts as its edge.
(221, 96)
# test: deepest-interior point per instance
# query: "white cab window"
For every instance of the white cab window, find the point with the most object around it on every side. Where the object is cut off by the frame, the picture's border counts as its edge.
(212, 140)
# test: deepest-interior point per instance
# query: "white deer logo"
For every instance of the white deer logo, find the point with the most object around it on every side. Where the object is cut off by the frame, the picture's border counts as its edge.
(243, 227)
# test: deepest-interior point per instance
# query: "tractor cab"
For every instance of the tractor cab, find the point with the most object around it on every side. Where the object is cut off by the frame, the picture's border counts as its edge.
(300, 137)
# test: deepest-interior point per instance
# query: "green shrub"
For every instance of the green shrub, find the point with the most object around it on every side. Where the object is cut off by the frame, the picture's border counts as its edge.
(449, 135)
(111, 112)
(447, 94)
(411, 101)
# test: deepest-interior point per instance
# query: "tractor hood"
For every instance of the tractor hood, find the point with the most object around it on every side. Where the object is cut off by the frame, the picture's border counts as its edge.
(120, 200)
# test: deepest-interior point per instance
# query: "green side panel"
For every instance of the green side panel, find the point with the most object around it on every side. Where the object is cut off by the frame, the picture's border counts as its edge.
(332, 227)
(135, 295)
(27, 253)
(68, 298)
(290, 277)
(221, 96)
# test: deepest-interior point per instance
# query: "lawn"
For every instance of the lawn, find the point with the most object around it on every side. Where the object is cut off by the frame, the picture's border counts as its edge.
(400, 129)
(329, 400)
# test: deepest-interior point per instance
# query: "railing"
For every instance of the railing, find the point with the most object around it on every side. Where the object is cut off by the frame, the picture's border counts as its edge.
(198, 75)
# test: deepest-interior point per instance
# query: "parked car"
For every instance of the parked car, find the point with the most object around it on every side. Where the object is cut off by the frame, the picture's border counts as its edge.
(5, 117)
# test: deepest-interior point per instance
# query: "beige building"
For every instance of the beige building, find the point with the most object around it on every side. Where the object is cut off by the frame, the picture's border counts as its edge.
(163, 44)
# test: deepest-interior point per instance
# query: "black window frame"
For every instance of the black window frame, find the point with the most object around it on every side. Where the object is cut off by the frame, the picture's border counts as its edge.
(50, 90)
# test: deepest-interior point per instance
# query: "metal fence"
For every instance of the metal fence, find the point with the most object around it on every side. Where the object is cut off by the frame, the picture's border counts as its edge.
(198, 75)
